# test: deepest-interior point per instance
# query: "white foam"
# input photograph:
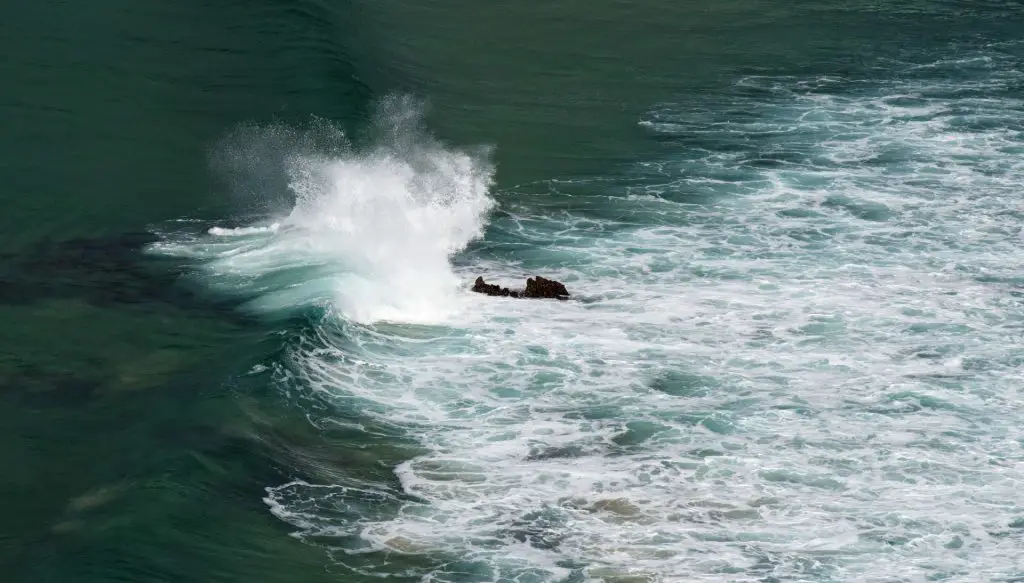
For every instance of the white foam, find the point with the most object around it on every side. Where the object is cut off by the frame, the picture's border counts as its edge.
(244, 231)
(802, 370)
(786, 383)
(371, 231)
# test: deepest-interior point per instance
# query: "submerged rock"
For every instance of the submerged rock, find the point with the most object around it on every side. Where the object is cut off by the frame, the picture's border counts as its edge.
(103, 271)
(536, 287)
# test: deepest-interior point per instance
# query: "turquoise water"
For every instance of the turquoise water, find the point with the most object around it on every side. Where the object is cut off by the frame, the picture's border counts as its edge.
(793, 232)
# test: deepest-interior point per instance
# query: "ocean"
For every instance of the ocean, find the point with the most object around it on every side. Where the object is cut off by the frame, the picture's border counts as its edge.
(238, 342)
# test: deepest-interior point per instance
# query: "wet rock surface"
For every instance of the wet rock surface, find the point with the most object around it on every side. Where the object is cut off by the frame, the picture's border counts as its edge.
(536, 287)
(482, 287)
(539, 287)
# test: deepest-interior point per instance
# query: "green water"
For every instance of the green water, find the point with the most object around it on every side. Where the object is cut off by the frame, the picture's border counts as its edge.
(135, 446)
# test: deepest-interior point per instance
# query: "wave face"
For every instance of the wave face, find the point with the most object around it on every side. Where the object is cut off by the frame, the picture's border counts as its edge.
(370, 230)
(797, 356)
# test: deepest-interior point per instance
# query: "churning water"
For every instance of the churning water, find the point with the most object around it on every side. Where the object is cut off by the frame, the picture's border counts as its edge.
(795, 352)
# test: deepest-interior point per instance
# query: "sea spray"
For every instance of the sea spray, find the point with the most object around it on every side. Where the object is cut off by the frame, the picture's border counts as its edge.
(370, 229)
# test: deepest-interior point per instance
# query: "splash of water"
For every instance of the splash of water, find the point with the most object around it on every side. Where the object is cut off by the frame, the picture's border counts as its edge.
(371, 229)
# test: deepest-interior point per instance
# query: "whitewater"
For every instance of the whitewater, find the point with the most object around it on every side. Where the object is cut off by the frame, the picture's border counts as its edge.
(796, 354)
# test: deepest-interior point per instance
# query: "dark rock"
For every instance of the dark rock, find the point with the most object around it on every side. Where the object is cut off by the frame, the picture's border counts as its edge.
(538, 287)
(482, 287)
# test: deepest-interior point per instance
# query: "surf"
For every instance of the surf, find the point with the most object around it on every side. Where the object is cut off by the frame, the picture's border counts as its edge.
(370, 229)
(798, 357)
